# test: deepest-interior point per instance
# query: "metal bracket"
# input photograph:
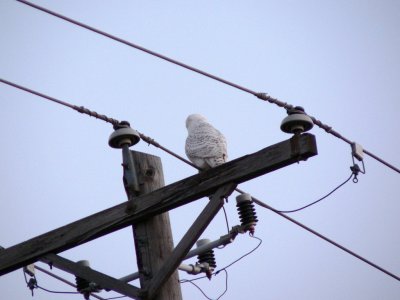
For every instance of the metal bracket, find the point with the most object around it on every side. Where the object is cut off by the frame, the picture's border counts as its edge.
(130, 179)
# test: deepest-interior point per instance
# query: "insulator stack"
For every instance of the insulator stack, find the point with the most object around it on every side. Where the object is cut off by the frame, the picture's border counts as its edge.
(82, 285)
(247, 212)
(207, 257)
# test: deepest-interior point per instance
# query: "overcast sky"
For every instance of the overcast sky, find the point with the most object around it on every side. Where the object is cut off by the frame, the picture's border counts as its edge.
(338, 59)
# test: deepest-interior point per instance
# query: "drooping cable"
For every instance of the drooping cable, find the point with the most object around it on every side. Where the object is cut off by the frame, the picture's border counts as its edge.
(243, 256)
(64, 280)
(235, 261)
(55, 292)
(223, 270)
(319, 200)
(55, 276)
(262, 204)
(32, 284)
(200, 289)
(262, 96)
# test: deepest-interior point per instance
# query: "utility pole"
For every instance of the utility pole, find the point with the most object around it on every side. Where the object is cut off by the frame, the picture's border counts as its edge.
(153, 236)
(144, 209)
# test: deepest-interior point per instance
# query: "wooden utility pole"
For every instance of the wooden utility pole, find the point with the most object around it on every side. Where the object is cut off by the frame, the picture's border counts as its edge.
(153, 236)
(144, 206)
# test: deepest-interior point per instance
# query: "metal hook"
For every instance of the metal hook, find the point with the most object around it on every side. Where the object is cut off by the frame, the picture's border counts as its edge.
(357, 152)
(355, 169)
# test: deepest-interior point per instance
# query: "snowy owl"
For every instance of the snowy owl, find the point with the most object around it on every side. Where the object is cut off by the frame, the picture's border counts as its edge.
(205, 145)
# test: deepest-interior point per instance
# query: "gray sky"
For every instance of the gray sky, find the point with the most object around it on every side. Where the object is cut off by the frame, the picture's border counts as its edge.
(338, 59)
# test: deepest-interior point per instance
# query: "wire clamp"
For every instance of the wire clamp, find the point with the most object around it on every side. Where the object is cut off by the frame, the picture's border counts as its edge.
(358, 153)
(32, 284)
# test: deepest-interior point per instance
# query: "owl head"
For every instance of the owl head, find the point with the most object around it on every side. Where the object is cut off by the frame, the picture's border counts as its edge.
(194, 119)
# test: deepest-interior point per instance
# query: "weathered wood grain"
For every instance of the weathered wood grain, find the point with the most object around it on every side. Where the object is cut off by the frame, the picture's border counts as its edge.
(101, 279)
(153, 236)
(188, 240)
(179, 193)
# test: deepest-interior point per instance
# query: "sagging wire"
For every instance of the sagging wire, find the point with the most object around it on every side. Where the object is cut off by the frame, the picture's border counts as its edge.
(262, 204)
(204, 294)
(56, 292)
(355, 170)
(261, 96)
(32, 284)
(244, 255)
(352, 175)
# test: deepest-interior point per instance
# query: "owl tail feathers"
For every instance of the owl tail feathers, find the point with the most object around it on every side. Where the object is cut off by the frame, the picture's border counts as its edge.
(215, 161)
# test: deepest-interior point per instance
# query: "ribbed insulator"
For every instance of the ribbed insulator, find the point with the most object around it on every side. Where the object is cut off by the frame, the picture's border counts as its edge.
(81, 283)
(247, 212)
(208, 257)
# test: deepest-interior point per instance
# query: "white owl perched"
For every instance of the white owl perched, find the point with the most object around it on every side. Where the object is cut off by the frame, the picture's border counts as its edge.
(205, 145)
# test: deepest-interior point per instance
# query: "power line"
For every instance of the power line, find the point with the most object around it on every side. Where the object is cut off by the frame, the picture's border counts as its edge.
(70, 284)
(200, 289)
(134, 45)
(63, 280)
(262, 96)
(224, 270)
(56, 292)
(320, 199)
(262, 204)
(84, 110)
(153, 142)
(80, 109)
(33, 284)
(244, 255)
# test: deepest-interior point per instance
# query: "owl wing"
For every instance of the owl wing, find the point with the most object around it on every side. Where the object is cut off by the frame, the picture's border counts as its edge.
(206, 142)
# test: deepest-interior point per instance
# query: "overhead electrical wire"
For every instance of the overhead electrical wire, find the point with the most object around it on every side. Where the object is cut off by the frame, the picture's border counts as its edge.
(70, 284)
(223, 270)
(262, 96)
(243, 256)
(262, 204)
(80, 109)
(319, 200)
(33, 284)
(62, 280)
(200, 289)
(257, 201)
